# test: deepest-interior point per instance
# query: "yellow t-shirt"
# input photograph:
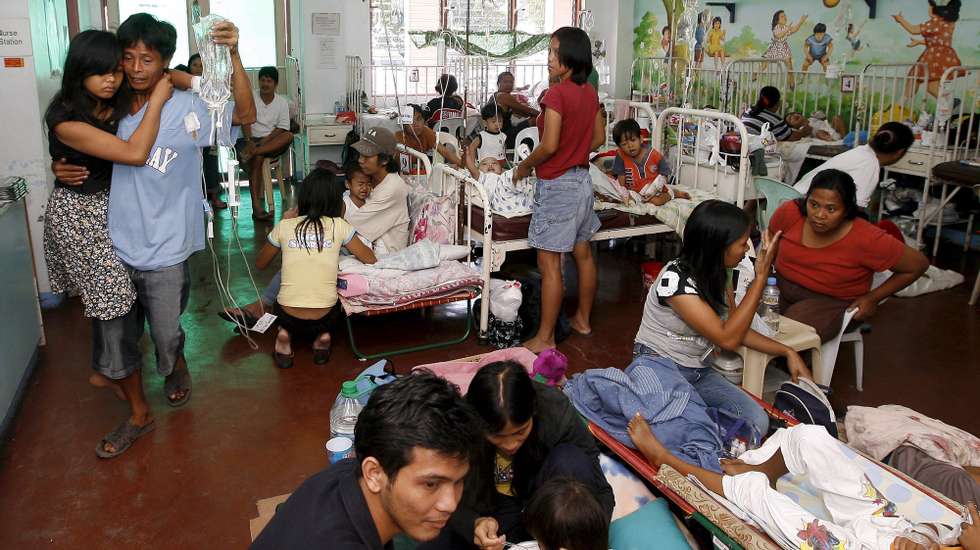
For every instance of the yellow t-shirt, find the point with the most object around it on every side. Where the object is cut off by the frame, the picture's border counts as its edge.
(504, 474)
(309, 276)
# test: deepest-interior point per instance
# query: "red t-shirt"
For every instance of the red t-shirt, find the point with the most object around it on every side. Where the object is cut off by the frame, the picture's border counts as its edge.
(577, 104)
(844, 269)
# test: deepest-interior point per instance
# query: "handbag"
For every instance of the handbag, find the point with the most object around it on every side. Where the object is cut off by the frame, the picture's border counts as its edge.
(805, 401)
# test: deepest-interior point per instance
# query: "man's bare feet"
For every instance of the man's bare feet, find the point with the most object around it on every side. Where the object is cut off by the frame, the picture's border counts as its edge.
(537, 346)
(646, 442)
(101, 381)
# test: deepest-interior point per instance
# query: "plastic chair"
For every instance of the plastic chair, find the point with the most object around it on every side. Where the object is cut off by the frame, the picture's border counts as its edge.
(776, 193)
(443, 138)
(451, 126)
(792, 333)
(270, 166)
(530, 133)
(829, 351)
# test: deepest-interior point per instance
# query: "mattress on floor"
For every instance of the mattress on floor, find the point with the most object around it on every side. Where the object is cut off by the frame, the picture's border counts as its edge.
(510, 229)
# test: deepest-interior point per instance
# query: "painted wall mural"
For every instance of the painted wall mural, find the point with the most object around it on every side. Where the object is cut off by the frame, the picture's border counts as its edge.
(812, 35)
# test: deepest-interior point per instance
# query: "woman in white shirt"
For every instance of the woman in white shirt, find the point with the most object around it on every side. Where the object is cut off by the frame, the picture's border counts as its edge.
(863, 163)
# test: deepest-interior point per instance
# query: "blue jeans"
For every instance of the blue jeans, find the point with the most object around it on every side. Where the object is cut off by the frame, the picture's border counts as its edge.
(161, 297)
(563, 213)
(271, 291)
(718, 392)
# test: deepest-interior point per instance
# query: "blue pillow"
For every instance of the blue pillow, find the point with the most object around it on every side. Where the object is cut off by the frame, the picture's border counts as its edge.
(652, 522)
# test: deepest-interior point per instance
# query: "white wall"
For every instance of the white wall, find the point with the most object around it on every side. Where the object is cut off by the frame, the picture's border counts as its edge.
(26, 92)
(613, 24)
(322, 87)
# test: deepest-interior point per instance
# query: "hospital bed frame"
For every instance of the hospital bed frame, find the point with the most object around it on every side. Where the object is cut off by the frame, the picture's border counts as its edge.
(679, 122)
(495, 251)
(467, 294)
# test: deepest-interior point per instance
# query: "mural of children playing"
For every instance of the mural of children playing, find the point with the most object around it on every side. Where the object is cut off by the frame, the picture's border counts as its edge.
(937, 34)
(853, 34)
(819, 46)
(778, 48)
(716, 43)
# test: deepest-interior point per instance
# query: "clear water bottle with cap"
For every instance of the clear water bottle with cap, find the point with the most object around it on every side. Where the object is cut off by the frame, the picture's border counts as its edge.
(343, 415)
(769, 306)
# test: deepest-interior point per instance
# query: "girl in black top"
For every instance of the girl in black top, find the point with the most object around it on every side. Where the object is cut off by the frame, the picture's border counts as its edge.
(81, 121)
(534, 434)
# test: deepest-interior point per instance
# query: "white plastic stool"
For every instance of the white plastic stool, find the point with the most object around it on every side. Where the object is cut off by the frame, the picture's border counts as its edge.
(830, 349)
(792, 333)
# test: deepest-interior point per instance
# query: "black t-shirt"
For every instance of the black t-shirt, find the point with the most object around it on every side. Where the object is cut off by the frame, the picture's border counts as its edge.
(437, 103)
(99, 170)
(327, 511)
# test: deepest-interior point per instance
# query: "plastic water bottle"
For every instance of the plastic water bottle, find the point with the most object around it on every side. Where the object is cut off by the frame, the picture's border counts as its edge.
(343, 414)
(769, 306)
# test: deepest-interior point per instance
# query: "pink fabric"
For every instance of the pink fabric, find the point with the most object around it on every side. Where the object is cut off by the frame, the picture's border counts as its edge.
(462, 372)
(356, 285)
(550, 365)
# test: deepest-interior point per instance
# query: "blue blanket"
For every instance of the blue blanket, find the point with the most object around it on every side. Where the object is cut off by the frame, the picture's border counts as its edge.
(653, 387)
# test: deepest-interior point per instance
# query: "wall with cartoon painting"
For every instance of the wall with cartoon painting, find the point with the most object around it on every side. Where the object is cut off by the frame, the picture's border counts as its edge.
(812, 34)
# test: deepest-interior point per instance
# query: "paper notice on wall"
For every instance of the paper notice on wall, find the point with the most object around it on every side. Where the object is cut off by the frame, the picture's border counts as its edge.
(327, 53)
(326, 24)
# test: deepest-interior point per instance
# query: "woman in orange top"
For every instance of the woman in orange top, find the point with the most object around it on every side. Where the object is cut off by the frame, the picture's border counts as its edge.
(828, 257)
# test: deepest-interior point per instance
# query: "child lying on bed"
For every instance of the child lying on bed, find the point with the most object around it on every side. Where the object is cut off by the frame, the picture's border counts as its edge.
(862, 516)
(639, 168)
(506, 198)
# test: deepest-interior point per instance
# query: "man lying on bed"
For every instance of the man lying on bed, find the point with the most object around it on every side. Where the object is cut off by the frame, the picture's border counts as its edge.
(862, 516)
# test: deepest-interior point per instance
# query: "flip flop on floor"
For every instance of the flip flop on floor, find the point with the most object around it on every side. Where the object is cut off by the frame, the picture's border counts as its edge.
(178, 381)
(238, 318)
(122, 438)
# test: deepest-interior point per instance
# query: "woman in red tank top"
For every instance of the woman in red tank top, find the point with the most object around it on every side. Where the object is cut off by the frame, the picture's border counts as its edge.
(563, 218)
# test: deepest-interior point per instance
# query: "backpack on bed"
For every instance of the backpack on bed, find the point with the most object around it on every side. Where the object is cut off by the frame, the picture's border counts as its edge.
(806, 402)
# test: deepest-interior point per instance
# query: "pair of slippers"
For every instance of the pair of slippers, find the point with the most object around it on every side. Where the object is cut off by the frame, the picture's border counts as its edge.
(320, 357)
(126, 433)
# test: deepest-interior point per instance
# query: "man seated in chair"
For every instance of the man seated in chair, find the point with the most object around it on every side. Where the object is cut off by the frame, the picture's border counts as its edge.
(267, 138)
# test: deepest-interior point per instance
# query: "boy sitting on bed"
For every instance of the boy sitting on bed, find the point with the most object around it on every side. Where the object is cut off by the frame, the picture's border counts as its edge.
(640, 168)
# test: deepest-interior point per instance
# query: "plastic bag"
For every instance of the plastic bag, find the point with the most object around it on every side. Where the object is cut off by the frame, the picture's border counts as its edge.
(765, 140)
(505, 299)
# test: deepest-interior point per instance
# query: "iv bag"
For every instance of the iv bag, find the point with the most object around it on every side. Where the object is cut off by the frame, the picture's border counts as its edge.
(216, 80)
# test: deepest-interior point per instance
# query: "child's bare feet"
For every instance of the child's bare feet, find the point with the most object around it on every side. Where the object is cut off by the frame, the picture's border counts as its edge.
(101, 381)
(646, 442)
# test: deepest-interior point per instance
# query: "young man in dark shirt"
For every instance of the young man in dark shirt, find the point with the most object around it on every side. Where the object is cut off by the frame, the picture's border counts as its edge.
(414, 442)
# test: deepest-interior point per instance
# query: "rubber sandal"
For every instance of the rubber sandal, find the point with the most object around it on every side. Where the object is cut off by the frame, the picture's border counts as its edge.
(236, 319)
(283, 361)
(178, 380)
(322, 356)
(122, 438)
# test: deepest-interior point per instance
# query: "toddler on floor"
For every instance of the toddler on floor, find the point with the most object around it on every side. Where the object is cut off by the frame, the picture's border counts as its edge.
(310, 246)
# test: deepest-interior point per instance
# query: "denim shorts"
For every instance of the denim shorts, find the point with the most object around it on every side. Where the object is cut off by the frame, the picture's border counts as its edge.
(563, 213)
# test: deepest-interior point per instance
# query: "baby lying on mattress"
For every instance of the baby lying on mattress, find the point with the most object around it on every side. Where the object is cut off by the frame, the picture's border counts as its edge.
(507, 198)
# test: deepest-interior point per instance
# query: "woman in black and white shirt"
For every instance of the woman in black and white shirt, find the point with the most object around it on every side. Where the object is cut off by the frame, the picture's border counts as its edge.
(691, 309)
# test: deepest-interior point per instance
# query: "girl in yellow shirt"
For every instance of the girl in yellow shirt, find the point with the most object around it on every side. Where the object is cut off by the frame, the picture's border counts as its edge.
(716, 42)
(310, 246)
